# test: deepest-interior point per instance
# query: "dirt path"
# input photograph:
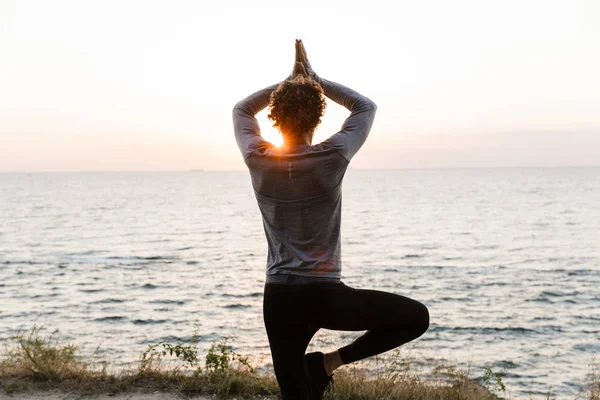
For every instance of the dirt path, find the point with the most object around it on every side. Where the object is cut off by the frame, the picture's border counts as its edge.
(58, 395)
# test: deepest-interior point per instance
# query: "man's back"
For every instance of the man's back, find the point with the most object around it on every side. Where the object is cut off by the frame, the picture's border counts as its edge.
(299, 187)
(299, 193)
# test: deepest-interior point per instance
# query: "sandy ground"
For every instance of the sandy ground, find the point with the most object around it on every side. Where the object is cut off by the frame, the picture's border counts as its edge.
(57, 395)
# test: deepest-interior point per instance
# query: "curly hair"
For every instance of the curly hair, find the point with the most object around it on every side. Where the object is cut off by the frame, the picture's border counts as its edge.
(296, 106)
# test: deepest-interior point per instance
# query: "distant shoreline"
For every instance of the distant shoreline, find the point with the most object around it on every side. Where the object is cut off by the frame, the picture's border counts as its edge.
(350, 168)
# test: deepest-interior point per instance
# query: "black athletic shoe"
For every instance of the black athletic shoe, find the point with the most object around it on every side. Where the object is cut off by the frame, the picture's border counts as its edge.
(318, 376)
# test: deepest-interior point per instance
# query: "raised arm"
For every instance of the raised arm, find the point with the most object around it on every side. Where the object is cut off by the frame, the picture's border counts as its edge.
(357, 126)
(245, 124)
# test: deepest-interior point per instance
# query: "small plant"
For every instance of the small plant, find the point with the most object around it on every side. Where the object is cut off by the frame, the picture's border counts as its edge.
(493, 380)
(187, 353)
(220, 355)
(218, 359)
(42, 356)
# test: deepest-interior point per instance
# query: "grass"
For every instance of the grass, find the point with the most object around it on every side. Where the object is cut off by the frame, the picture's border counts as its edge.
(32, 360)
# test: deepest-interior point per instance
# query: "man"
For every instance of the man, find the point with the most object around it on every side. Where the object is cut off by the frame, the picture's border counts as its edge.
(298, 187)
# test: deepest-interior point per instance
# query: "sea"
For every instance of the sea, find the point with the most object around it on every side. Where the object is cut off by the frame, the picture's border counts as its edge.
(507, 260)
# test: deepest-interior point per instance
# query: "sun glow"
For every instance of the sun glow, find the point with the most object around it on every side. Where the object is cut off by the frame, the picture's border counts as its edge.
(332, 120)
(273, 136)
(267, 131)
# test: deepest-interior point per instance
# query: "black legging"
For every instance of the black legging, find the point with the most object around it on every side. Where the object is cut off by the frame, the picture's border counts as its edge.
(294, 313)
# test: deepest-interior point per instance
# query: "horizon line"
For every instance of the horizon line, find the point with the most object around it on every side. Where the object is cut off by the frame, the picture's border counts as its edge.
(350, 168)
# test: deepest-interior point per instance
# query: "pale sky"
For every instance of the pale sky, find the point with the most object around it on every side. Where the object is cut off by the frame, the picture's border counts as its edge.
(149, 85)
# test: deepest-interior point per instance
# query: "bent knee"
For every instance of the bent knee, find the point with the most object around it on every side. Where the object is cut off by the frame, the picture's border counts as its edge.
(422, 323)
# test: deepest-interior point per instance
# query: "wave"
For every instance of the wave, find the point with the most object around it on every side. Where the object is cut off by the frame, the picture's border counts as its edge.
(588, 317)
(83, 258)
(180, 339)
(176, 302)
(29, 262)
(150, 321)
(237, 305)
(559, 294)
(448, 298)
(108, 301)
(407, 256)
(587, 347)
(112, 318)
(150, 286)
(151, 258)
(86, 253)
(38, 296)
(255, 294)
(580, 272)
(544, 319)
(481, 330)
(91, 290)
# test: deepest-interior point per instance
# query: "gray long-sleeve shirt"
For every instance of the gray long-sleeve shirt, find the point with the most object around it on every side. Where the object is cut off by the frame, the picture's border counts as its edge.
(299, 187)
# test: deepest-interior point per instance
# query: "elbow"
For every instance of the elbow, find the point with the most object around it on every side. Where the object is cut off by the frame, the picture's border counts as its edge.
(363, 104)
(371, 104)
(239, 108)
(366, 104)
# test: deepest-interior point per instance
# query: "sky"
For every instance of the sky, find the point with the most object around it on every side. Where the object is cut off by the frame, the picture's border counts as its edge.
(149, 85)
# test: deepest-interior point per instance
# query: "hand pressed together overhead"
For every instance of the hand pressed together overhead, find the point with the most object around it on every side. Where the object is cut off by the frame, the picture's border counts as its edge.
(302, 58)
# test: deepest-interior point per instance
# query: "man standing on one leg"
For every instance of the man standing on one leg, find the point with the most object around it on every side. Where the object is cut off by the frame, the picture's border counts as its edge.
(298, 190)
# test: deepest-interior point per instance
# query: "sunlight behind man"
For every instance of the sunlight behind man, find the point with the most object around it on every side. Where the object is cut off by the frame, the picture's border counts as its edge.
(335, 116)
(269, 133)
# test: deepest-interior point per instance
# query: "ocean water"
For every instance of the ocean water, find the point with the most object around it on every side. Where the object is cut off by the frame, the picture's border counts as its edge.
(507, 261)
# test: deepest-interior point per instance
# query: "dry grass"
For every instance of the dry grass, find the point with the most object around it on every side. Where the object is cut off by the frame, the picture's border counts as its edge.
(34, 361)
(593, 386)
